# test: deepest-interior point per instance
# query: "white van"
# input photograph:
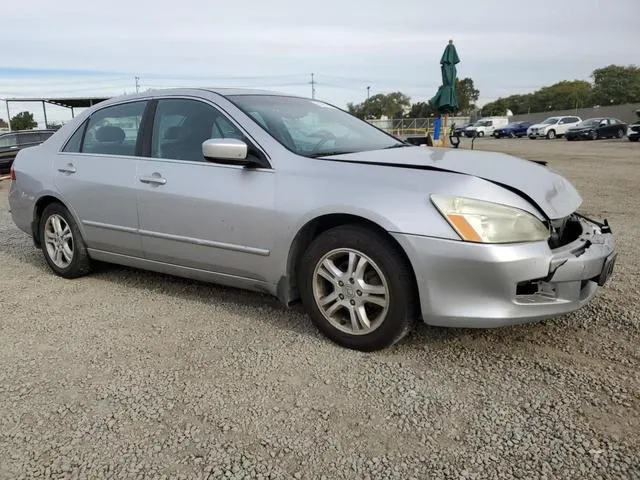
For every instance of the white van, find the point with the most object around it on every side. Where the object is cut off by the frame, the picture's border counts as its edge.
(486, 126)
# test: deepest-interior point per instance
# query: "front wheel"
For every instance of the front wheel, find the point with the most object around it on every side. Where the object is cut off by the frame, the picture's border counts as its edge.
(358, 288)
(62, 244)
(594, 135)
(551, 134)
(481, 134)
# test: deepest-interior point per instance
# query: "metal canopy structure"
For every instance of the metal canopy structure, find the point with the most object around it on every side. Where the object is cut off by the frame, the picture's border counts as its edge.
(67, 102)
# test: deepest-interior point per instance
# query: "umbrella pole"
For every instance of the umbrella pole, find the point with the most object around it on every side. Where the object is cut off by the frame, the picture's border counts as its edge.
(444, 131)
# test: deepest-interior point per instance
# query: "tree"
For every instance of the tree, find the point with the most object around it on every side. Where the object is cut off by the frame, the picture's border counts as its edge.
(391, 105)
(467, 95)
(3, 124)
(616, 85)
(421, 110)
(23, 121)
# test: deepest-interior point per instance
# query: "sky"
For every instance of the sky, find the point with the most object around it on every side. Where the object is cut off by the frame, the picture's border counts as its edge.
(82, 48)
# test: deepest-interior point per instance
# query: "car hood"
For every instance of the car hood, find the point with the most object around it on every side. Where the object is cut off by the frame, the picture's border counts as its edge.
(551, 193)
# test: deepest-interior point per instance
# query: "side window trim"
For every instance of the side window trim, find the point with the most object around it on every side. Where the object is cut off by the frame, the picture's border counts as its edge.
(152, 114)
(145, 132)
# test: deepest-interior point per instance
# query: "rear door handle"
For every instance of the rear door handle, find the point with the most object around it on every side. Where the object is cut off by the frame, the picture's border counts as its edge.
(69, 168)
(153, 180)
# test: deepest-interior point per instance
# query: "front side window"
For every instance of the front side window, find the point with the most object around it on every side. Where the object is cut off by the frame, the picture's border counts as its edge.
(181, 126)
(114, 130)
(312, 128)
(7, 141)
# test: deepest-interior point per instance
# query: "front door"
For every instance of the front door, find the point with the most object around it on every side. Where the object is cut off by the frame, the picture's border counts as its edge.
(96, 175)
(199, 214)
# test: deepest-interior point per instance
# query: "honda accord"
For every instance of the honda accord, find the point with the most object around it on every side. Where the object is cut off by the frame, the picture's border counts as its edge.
(295, 197)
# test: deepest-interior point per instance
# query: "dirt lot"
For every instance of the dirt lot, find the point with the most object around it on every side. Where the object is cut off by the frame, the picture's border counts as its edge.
(127, 374)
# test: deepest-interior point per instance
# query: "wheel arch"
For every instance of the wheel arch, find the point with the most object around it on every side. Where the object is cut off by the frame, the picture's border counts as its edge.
(287, 286)
(43, 202)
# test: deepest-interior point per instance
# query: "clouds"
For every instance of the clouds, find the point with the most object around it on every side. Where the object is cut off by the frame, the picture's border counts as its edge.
(349, 44)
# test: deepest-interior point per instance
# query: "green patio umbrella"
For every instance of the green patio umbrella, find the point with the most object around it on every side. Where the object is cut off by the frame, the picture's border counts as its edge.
(445, 99)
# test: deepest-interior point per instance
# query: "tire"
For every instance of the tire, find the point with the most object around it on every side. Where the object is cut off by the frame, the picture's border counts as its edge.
(551, 134)
(481, 134)
(387, 271)
(52, 238)
(594, 135)
(619, 133)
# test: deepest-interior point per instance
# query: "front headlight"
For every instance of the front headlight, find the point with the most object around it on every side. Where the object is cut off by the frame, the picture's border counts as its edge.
(487, 222)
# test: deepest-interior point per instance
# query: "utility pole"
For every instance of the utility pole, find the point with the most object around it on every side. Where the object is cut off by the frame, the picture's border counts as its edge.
(368, 88)
(313, 87)
(137, 84)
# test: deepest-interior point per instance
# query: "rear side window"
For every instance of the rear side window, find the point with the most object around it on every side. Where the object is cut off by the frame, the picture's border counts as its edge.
(73, 144)
(28, 139)
(114, 130)
(7, 141)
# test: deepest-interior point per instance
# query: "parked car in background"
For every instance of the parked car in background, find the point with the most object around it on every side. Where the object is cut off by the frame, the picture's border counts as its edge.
(512, 130)
(297, 198)
(485, 126)
(552, 127)
(595, 128)
(633, 130)
(459, 130)
(12, 142)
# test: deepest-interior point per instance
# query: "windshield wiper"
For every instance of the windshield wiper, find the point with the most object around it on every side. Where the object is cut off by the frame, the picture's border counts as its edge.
(328, 154)
(398, 145)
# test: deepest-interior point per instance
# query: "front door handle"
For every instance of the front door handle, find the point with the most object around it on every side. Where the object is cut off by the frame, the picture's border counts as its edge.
(69, 168)
(153, 180)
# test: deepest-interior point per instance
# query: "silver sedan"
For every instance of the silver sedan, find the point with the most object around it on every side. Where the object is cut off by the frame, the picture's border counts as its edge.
(297, 198)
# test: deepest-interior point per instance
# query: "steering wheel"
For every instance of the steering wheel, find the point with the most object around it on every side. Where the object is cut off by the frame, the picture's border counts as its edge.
(325, 136)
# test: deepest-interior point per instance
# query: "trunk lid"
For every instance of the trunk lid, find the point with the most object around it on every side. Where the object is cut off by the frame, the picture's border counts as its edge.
(547, 190)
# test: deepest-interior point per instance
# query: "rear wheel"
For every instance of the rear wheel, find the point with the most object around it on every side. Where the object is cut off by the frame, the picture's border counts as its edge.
(551, 134)
(620, 133)
(62, 245)
(358, 288)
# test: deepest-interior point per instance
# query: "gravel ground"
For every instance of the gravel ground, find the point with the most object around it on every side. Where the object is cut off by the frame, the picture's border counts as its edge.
(127, 374)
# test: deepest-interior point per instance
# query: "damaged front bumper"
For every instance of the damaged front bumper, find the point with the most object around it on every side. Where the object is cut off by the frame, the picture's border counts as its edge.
(464, 284)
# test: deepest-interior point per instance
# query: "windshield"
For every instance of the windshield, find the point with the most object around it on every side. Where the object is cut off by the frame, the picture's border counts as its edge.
(513, 125)
(312, 128)
(550, 121)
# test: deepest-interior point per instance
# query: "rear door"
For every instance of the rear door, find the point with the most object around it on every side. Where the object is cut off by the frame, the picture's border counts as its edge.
(197, 213)
(96, 175)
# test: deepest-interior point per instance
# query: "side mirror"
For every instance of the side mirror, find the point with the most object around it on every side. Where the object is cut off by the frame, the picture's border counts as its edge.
(230, 150)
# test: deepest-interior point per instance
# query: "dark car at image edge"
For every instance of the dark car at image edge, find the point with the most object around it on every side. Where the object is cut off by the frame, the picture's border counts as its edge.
(12, 142)
(595, 128)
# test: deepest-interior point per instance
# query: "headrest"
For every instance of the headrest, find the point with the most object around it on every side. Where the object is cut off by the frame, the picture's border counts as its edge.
(110, 134)
(173, 133)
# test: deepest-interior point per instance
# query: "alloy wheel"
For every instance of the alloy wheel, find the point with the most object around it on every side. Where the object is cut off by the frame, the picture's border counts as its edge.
(58, 240)
(351, 291)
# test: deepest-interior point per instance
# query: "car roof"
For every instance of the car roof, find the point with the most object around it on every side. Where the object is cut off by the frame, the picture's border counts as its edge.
(225, 92)
(14, 132)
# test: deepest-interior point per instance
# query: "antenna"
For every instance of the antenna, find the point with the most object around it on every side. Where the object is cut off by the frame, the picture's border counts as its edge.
(313, 87)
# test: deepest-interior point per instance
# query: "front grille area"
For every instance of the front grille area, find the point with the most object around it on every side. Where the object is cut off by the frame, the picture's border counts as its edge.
(564, 231)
